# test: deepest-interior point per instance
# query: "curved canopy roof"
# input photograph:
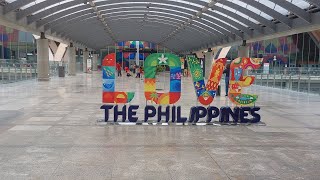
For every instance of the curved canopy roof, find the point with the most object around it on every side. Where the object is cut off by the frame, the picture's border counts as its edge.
(180, 25)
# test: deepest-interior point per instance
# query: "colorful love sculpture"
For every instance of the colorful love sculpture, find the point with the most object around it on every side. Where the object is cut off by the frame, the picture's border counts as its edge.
(150, 68)
(206, 93)
(238, 80)
(109, 83)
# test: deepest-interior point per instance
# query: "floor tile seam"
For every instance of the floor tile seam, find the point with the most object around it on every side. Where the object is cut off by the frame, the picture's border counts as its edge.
(295, 152)
(147, 146)
(276, 126)
(252, 171)
(6, 129)
(170, 174)
(93, 164)
(197, 142)
(63, 116)
(36, 145)
(53, 125)
(277, 173)
(284, 129)
(62, 159)
(288, 150)
(113, 168)
(296, 121)
(298, 115)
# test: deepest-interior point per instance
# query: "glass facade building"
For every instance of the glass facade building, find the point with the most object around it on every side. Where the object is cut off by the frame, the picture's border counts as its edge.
(17, 47)
(295, 51)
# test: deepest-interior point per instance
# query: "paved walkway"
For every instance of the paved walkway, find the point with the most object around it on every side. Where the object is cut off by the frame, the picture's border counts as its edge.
(49, 130)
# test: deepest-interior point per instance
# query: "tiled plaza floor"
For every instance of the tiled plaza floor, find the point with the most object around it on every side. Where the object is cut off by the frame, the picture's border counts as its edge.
(48, 130)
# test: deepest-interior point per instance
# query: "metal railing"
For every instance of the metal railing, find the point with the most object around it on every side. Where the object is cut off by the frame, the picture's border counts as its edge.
(54, 68)
(13, 72)
(296, 79)
(305, 80)
(315, 71)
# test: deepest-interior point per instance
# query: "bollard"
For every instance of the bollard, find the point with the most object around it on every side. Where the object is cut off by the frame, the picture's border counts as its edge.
(2, 76)
(309, 86)
(274, 81)
(20, 72)
(30, 72)
(15, 73)
(281, 81)
(299, 83)
(9, 74)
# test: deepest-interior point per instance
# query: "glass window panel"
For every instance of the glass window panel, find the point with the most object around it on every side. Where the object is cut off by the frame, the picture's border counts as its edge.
(6, 43)
(300, 3)
(154, 15)
(205, 14)
(204, 25)
(236, 12)
(281, 10)
(14, 43)
(215, 24)
(251, 8)
(30, 49)
(22, 54)
(10, 1)
(143, 11)
(31, 4)
(231, 18)
(1, 42)
(163, 4)
(155, 8)
(53, 5)
(68, 9)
